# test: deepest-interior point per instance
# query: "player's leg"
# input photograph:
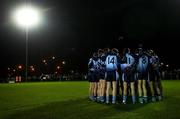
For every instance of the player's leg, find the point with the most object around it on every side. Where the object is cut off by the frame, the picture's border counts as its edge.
(95, 86)
(108, 83)
(117, 83)
(153, 99)
(114, 87)
(91, 94)
(140, 90)
(132, 85)
(152, 85)
(159, 90)
(125, 86)
(90, 91)
(108, 86)
(114, 92)
(103, 89)
(144, 90)
(159, 87)
(94, 90)
(136, 84)
(98, 90)
(159, 84)
(104, 85)
(121, 86)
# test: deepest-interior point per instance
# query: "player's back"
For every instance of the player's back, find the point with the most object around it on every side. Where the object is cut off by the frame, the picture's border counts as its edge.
(111, 62)
(143, 63)
(130, 59)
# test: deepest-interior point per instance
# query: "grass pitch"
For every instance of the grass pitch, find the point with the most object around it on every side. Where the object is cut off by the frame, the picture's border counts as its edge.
(68, 100)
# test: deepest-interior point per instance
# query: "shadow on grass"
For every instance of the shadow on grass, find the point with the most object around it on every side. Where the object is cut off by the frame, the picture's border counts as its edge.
(74, 109)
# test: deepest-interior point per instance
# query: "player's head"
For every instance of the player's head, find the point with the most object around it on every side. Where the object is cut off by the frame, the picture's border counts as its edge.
(106, 50)
(126, 50)
(136, 52)
(100, 52)
(116, 51)
(140, 48)
(140, 51)
(95, 55)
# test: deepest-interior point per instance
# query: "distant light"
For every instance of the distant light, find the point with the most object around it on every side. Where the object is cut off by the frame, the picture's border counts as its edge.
(53, 57)
(167, 65)
(32, 67)
(58, 67)
(20, 67)
(8, 68)
(44, 61)
(26, 16)
(14, 70)
(162, 63)
(63, 62)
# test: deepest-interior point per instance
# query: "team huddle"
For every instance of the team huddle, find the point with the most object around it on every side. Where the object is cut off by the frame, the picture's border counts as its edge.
(132, 75)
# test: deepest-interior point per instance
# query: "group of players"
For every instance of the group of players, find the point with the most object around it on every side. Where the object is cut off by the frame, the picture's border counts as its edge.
(131, 75)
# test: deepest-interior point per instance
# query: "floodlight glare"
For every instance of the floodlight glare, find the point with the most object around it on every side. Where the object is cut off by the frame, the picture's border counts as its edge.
(26, 16)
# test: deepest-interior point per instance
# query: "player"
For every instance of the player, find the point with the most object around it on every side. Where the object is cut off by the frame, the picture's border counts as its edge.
(92, 76)
(152, 75)
(102, 81)
(142, 70)
(128, 74)
(155, 81)
(99, 74)
(112, 62)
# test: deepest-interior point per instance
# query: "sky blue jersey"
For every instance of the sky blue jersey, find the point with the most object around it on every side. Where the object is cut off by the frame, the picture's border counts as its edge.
(112, 61)
(143, 63)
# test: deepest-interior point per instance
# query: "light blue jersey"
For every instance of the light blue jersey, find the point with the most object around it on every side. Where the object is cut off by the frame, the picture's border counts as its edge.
(143, 63)
(130, 59)
(111, 63)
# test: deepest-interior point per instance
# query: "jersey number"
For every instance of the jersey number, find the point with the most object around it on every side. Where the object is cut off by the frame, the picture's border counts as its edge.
(129, 59)
(144, 60)
(110, 60)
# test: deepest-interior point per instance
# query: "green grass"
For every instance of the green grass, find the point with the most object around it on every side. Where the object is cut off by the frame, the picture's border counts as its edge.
(68, 100)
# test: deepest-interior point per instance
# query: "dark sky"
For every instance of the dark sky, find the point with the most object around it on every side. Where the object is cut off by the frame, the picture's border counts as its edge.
(76, 28)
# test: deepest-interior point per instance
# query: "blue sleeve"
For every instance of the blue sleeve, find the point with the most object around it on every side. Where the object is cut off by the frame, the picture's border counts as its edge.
(136, 58)
(90, 64)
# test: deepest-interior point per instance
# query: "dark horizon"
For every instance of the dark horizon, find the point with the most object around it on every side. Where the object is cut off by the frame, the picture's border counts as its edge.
(75, 29)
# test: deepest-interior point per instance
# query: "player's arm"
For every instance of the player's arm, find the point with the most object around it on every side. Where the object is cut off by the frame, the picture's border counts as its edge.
(134, 65)
(90, 63)
(124, 59)
(119, 62)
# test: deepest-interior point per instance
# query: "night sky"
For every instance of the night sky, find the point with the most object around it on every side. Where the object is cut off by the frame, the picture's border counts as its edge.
(73, 29)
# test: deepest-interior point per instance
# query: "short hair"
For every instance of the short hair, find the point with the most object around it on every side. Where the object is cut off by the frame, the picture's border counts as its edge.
(95, 54)
(115, 50)
(126, 50)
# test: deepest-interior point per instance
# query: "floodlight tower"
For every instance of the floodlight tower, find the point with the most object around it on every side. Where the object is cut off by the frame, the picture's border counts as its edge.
(26, 17)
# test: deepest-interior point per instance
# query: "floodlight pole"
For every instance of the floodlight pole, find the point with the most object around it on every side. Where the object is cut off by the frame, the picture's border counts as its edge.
(26, 72)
